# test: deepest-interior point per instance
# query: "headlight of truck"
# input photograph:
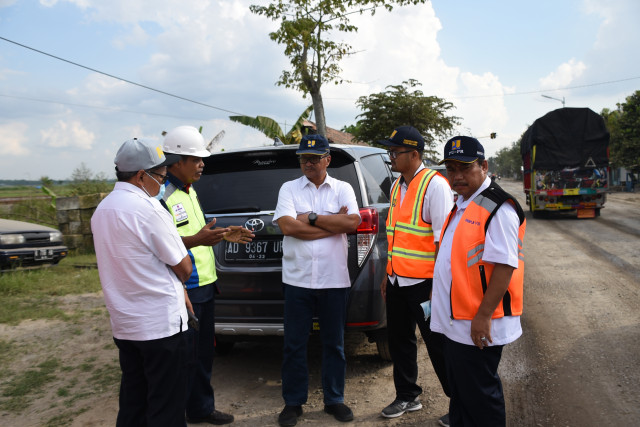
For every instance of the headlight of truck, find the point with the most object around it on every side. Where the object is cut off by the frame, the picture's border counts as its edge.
(11, 239)
(55, 236)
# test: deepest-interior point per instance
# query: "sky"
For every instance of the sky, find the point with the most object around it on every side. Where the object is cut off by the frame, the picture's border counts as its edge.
(494, 60)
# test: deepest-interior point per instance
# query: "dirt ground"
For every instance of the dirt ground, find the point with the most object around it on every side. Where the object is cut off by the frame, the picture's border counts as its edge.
(577, 364)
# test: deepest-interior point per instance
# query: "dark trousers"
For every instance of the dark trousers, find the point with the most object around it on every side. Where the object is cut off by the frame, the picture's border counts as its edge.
(153, 383)
(300, 304)
(476, 389)
(403, 313)
(201, 347)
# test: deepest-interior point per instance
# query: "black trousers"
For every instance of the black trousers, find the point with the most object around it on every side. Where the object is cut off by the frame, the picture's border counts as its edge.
(154, 382)
(476, 390)
(403, 313)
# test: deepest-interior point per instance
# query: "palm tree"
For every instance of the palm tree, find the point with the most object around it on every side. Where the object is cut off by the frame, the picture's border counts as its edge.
(272, 129)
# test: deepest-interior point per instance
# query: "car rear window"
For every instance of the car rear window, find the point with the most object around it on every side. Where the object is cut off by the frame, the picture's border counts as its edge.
(250, 181)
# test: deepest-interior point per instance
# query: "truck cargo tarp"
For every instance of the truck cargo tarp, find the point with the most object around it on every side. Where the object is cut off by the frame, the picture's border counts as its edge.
(566, 138)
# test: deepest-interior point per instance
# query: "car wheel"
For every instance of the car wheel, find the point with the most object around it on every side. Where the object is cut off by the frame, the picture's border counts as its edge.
(382, 343)
(223, 348)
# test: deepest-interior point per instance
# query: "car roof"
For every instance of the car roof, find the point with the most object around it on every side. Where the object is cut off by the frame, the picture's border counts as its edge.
(354, 151)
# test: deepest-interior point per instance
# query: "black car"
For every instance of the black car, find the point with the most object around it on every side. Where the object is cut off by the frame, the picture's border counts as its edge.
(241, 188)
(23, 244)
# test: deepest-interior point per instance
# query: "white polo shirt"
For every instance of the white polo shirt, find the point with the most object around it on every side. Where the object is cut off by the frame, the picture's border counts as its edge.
(438, 202)
(135, 243)
(501, 246)
(321, 263)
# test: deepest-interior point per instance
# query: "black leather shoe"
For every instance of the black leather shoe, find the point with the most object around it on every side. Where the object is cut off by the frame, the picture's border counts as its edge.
(216, 417)
(289, 415)
(340, 411)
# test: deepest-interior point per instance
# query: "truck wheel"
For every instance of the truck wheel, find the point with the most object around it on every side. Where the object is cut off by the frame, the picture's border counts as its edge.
(382, 343)
(597, 213)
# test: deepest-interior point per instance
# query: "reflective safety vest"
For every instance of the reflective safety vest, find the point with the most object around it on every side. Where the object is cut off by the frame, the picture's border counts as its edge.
(189, 219)
(471, 275)
(411, 247)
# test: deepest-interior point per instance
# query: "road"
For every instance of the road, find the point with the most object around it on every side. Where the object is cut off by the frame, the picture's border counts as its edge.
(577, 364)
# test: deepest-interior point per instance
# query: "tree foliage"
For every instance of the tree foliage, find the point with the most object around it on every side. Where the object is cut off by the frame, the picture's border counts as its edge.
(404, 104)
(507, 161)
(272, 129)
(624, 126)
(306, 31)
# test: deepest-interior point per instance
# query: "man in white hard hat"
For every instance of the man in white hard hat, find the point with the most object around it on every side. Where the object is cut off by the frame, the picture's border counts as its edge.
(142, 263)
(198, 237)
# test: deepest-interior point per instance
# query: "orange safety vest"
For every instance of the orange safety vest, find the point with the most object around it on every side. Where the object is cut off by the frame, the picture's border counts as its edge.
(471, 275)
(411, 248)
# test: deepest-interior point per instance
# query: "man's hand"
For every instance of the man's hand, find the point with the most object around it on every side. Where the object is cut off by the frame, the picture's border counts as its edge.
(207, 236)
(238, 234)
(481, 331)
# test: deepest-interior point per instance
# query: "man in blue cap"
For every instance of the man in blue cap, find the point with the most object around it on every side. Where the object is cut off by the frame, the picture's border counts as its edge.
(420, 202)
(314, 213)
(478, 285)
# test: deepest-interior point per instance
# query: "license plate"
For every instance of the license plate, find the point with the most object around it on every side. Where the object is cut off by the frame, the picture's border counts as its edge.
(42, 254)
(258, 250)
(586, 213)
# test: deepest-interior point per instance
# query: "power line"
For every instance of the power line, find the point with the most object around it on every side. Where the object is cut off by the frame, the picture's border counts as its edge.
(120, 78)
(96, 107)
(530, 92)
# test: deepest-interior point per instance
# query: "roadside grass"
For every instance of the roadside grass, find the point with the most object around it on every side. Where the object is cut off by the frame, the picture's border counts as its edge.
(69, 366)
(31, 294)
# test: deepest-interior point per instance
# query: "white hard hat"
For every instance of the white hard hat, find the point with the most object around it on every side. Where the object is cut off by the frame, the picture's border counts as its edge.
(185, 140)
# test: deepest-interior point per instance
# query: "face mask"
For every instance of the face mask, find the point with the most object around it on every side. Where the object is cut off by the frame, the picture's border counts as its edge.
(160, 194)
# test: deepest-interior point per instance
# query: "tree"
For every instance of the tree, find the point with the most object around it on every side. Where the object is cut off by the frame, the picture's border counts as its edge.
(624, 126)
(400, 105)
(507, 161)
(272, 129)
(305, 30)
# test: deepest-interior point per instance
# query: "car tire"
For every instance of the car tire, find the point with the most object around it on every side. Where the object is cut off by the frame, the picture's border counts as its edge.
(223, 348)
(382, 343)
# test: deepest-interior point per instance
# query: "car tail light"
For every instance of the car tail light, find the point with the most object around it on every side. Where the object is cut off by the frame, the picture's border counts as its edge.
(366, 232)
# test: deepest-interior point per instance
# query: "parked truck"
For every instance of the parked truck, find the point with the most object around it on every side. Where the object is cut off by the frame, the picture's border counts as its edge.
(565, 156)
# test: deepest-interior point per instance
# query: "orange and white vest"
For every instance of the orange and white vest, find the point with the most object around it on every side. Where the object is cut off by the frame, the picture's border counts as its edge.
(471, 275)
(411, 247)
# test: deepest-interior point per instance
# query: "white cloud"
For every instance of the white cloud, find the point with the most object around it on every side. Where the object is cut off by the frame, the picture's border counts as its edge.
(13, 139)
(563, 75)
(68, 135)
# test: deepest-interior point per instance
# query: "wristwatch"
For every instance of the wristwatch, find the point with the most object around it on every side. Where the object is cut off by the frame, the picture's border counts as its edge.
(313, 217)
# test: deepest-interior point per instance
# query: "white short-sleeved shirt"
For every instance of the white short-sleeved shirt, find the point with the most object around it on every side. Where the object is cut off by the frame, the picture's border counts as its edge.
(321, 263)
(135, 243)
(438, 202)
(501, 246)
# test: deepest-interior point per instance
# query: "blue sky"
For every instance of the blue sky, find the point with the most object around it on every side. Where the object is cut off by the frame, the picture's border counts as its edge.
(492, 59)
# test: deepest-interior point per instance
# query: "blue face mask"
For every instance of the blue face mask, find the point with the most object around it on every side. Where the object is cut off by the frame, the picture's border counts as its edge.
(160, 194)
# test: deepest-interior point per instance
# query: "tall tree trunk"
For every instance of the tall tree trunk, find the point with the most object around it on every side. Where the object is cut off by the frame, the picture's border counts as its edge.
(318, 109)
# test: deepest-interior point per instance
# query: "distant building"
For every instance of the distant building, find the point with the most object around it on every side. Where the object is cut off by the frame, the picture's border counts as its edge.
(334, 136)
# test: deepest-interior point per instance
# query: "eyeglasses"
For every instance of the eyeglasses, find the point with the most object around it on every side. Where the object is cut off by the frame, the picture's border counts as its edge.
(313, 160)
(395, 154)
(163, 177)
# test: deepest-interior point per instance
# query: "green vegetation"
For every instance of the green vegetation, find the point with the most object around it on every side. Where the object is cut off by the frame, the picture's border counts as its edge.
(41, 370)
(405, 104)
(306, 29)
(31, 294)
(624, 125)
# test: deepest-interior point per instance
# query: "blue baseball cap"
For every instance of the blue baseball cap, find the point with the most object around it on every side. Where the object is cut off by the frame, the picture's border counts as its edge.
(463, 149)
(404, 136)
(313, 144)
